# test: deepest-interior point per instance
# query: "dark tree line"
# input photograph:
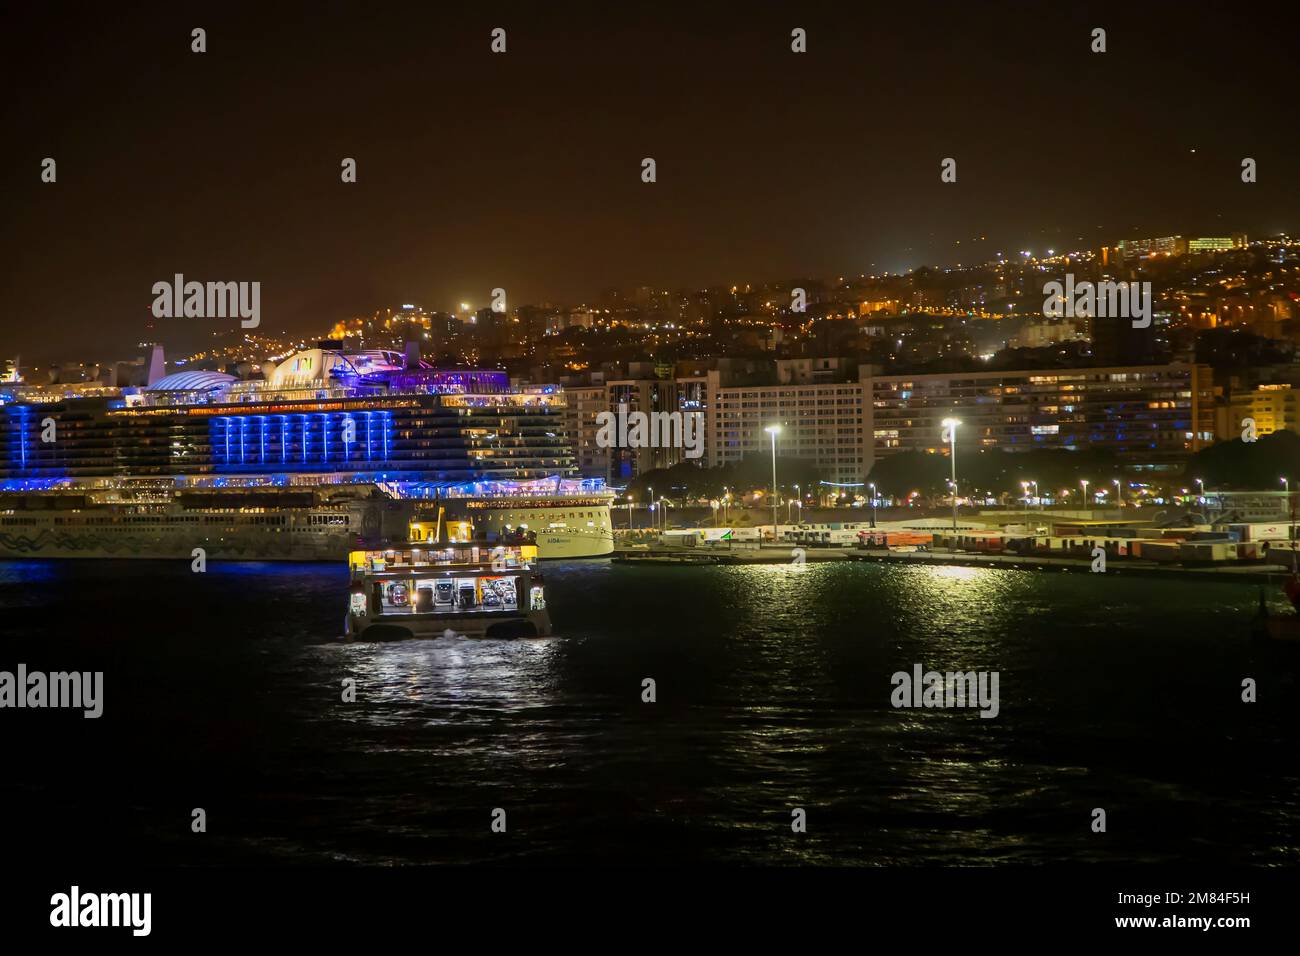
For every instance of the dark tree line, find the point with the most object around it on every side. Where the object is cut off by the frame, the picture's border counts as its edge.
(754, 472)
(1249, 466)
(995, 471)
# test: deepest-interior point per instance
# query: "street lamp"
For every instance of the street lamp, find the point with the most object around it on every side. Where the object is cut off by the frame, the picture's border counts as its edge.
(1084, 482)
(872, 486)
(629, 513)
(772, 430)
(1119, 492)
(950, 435)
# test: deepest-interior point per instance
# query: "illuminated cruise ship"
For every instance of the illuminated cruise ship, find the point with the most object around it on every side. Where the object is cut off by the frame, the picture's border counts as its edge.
(333, 449)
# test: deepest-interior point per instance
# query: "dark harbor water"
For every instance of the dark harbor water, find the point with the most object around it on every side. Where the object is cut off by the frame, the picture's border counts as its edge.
(773, 692)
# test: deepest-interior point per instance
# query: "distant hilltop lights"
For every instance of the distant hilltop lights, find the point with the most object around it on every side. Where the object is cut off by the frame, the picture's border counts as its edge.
(1200, 281)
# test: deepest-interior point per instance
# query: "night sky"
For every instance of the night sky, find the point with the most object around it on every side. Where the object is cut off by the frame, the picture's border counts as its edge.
(523, 170)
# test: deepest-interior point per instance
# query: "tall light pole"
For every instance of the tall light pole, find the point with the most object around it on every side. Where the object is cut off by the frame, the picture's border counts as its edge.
(872, 486)
(950, 433)
(1287, 483)
(772, 430)
(1084, 482)
(629, 513)
(1119, 492)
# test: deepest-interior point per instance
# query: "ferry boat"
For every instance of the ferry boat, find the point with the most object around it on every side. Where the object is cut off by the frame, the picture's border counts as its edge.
(430, 590)
(332, 451)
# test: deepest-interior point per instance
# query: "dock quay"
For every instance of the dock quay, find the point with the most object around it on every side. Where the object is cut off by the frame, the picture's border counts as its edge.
(1254, 573)
(769, 554)
(1241, 574)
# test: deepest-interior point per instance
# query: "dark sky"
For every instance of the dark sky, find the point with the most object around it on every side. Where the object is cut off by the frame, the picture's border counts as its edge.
(523, 170)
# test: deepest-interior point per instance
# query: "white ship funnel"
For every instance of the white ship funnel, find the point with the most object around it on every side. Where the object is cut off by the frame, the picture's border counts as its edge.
(157, 365)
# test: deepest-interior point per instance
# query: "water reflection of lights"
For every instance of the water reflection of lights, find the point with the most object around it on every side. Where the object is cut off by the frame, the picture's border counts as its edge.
(958, 573)
(956, 605)
(458, 673)
(976, 588)
(790, 583)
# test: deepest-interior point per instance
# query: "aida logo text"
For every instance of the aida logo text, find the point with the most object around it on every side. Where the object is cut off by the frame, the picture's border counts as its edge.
(1101, 300)
(948, 690)
(627, 429)
(208, 300)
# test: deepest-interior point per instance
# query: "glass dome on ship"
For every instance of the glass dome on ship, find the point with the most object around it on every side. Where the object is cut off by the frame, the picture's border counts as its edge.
(367, 432)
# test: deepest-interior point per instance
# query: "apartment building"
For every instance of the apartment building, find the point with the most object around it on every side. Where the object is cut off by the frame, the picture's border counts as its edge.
(1152, 415)
(819, 410)
(1271, 408)
(825, 423)
(584, 402)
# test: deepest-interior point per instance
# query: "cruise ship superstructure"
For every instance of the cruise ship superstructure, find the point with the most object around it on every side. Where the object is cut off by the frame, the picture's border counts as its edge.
(332, 450)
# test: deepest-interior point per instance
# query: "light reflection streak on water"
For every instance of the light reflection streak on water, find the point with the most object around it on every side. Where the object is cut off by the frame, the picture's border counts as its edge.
(439, 676)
